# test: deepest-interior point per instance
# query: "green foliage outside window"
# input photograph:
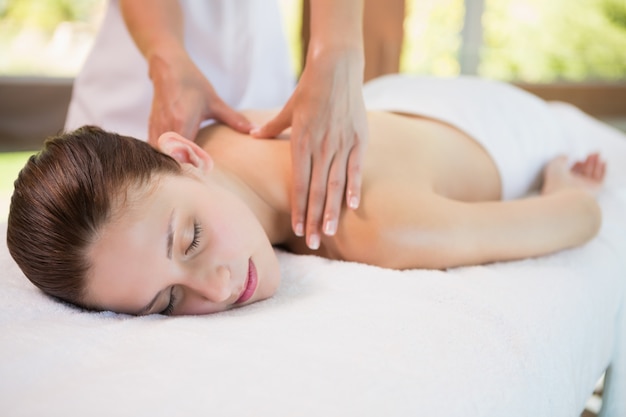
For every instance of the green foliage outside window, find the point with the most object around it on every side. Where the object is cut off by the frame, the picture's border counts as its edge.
(616, 12)
(544, 41)
(44, 14)
(46, 37)
(524, 40)
(432, 37)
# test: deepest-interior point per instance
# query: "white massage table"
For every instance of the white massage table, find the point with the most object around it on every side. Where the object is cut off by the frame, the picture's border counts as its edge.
(528, 338)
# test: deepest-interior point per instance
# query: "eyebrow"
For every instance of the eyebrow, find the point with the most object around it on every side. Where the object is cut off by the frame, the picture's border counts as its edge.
(170, 236)
(168, 252)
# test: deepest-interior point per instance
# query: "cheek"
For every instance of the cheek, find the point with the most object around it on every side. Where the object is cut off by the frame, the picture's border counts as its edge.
(236, 228)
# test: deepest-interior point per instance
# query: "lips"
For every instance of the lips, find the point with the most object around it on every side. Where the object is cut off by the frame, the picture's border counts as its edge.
(252, 281)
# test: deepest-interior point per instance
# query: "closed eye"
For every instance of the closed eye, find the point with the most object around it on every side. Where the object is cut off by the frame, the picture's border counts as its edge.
(197, 229)
(167, 311)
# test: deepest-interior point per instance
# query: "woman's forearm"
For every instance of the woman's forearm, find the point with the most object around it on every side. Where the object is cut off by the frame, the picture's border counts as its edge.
(156, 26)
(336, 28)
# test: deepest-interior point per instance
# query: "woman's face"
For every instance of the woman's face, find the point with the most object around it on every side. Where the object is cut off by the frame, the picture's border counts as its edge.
(189, 246)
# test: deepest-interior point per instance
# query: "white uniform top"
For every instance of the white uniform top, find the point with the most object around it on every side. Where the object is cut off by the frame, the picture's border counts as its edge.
(239, 45)
(518, 130)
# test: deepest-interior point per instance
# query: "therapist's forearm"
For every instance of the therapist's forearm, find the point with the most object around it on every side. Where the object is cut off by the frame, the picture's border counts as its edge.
(336, 27)
(155, 25)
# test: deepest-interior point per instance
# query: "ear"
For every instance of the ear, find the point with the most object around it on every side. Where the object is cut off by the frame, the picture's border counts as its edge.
(184, 151)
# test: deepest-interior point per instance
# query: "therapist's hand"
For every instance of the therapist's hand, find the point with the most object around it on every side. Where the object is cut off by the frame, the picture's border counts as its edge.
(328, 138)
(183, 98)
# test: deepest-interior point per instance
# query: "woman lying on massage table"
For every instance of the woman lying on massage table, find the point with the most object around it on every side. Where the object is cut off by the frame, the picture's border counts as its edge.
(108, 223)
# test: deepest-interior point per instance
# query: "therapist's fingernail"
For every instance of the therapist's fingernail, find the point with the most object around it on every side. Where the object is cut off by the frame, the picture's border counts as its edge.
(353, 203)
(330, 227)
(299, 229)
(314, 242)
(255, 130)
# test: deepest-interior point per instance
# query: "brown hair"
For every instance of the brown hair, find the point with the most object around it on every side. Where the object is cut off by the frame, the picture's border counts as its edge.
(65, 194)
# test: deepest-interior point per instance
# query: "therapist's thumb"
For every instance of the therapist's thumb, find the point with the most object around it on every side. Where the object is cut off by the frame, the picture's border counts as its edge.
(274, 127)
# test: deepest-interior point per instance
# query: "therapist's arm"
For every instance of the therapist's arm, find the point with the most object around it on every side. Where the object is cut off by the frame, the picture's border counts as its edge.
(183, 97)
(328, 120)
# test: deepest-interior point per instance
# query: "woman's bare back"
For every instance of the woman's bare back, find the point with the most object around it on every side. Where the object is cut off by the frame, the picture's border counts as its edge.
(429, 155)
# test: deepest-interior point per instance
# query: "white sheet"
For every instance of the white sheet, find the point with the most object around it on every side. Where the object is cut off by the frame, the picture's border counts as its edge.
(528, 338)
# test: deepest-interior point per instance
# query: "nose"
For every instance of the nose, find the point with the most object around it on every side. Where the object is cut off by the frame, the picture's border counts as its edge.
(214, 287)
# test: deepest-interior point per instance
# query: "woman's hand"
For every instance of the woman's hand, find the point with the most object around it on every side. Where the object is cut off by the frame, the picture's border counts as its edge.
(183, 98)
(329, 134)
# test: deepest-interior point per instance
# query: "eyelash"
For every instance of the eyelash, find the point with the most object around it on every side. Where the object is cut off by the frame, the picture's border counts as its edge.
(194, 244)
(170, 307)
(196, 237)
